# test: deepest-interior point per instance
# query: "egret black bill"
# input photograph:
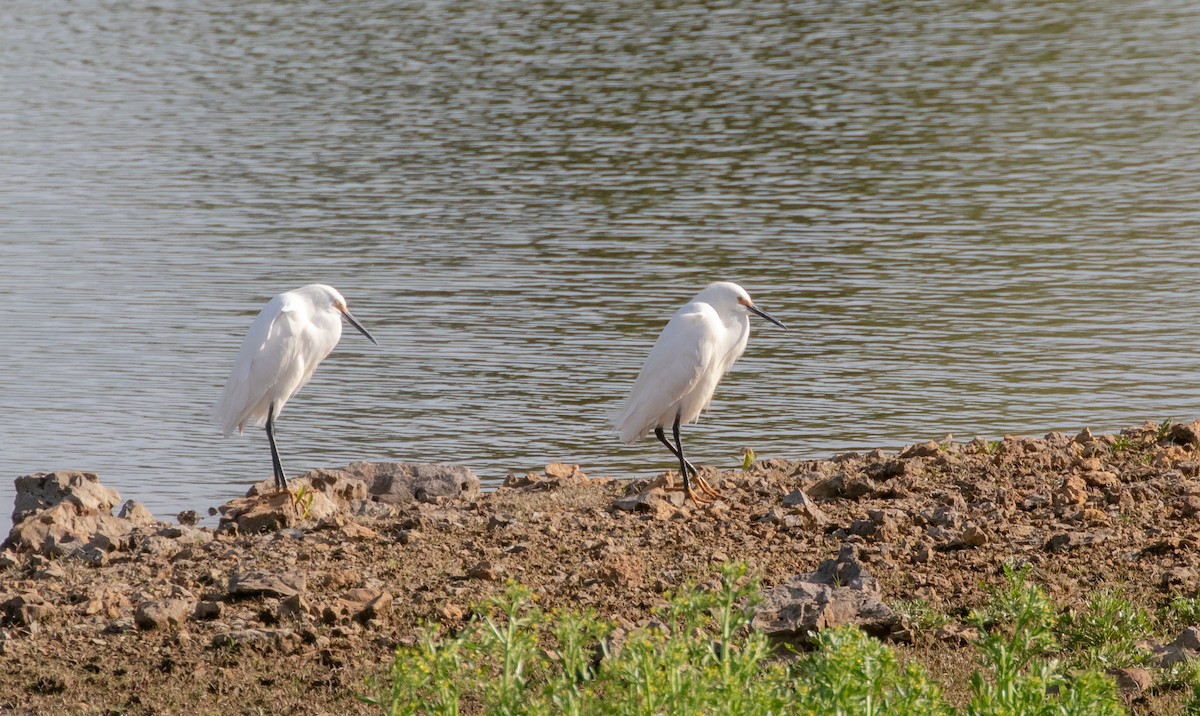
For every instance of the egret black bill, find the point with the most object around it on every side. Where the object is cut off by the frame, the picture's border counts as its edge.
(354, 322)
(763, 314)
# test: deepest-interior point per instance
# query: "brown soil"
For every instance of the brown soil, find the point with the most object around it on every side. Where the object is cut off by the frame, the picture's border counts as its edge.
(935, 522)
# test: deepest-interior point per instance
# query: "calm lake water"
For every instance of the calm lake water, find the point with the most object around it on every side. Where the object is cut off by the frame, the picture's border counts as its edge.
(977, 218)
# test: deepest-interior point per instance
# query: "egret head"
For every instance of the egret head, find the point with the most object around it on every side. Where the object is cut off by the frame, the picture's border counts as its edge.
(729, 297)
(327, 297)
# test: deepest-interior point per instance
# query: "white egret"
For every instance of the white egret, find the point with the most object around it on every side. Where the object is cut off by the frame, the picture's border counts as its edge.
(695, 350)
(292, 334)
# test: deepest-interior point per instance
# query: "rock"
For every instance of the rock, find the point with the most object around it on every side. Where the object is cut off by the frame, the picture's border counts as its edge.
(796, 497)
(163, 614)
(68, 513)
(1061, 542)
(120, 626)
(1188, 639)
(26, 609)
(810, 516)
(499, 522)
(188, 518)
(657, 502)
(53, 570)
(840, 484)
(1185, 434)
(342, 488)
(1186, 647)
(42, 491)
(157, 546)
(827, 488)
(956, 633)
(890, 469)
(926, 449)
(360, 605)
(355, 532)
(108, 602)
(262, 639)
(1133, 681)
(1179, 579)
(137, 514)
(254, 584)
(349, 529)
(320, 494)
(1072, 491)
(561, 469)
(1084, 437)
(620, 569)
(1102, 479)
(556, 475)
(275, 511)
(208, 610)
(1189, 505)
(404, 482)
(839, 592)
(486, 571)
(774, 516)
(941, 516)
(294, 607)
(975, 535)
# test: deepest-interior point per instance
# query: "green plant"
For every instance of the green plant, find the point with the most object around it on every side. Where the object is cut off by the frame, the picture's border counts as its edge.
(748, 458)
(1021, 619)
(851, 673)
(304, 498)
(1007, 601)
(1181, 675)
(1164, 429)
(700, 655)
(989, 447)
(1180, 611)
(422, 679)
(571, 659)
(921, 615)
(511, 642)
(1106, 631)
(1121, 444)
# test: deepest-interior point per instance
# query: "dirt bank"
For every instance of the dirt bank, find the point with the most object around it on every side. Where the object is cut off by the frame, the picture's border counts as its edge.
(176, 619)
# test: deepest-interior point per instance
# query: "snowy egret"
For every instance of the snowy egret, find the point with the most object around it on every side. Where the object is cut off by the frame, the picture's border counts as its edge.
(287, 340)
(692, 354)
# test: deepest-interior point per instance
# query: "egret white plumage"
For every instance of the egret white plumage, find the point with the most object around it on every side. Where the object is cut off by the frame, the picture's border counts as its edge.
(695, 350)
(289, 338)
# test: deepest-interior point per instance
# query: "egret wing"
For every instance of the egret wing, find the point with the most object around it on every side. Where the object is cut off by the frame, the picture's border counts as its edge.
(262, 366)
(676, 365)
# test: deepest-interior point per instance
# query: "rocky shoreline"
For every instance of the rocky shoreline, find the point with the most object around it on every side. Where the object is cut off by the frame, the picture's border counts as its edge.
(293, 600)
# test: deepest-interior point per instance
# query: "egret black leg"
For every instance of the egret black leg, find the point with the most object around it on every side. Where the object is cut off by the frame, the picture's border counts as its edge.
(658, 432)
(683, 466)
(280, 478)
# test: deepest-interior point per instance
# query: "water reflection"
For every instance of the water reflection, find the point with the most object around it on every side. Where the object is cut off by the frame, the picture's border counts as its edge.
(975, 218)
